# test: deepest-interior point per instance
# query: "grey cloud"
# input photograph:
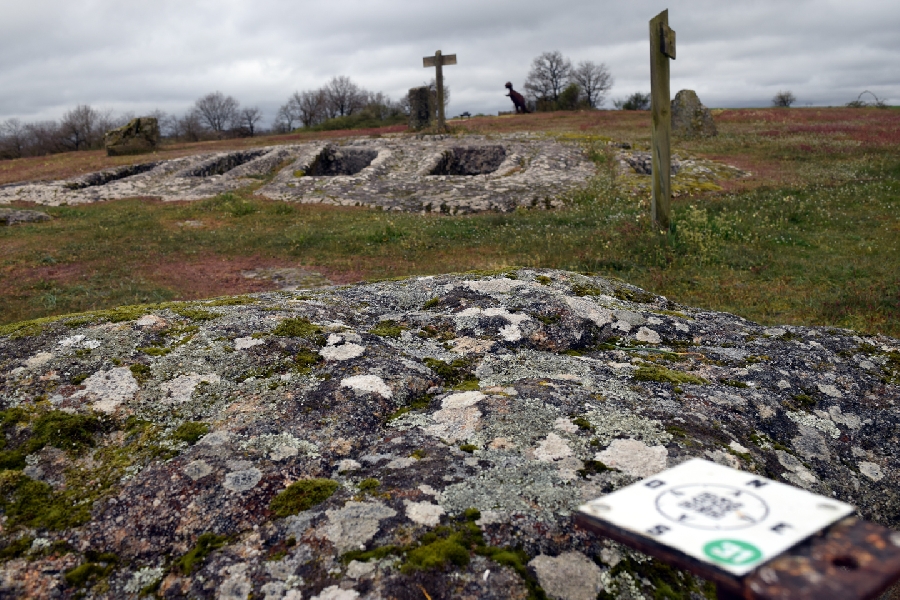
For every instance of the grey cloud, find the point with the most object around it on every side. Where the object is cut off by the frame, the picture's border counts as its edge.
(136, 56)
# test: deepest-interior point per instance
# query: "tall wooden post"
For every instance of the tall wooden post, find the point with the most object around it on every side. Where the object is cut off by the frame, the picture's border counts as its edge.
(438, 61)
(662, 48)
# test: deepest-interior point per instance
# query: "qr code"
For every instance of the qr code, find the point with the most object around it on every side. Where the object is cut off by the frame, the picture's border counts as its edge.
(711, 505)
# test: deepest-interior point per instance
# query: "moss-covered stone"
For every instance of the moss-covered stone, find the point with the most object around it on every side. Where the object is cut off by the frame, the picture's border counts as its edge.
(302, 495)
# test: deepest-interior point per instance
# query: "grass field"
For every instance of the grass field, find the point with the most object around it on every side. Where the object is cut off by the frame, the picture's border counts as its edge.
(811, 237)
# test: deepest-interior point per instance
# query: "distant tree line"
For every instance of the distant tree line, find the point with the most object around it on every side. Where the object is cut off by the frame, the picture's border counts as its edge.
(337, 105)
(343, 103)
(553, 83)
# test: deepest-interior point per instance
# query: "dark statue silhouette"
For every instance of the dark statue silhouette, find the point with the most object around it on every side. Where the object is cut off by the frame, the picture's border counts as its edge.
(517, 98)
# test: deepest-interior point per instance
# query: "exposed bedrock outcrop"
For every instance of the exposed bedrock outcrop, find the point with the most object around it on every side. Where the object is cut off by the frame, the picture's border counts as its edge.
(431, 435)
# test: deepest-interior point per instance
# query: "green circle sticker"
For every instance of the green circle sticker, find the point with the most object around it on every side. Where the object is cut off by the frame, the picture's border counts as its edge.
(732, 552)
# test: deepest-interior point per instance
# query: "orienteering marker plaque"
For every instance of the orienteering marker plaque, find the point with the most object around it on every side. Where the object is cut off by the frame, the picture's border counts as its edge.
(731, 520)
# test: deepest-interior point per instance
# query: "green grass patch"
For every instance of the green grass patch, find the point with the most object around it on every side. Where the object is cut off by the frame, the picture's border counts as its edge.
(302, 495)
(810, 239)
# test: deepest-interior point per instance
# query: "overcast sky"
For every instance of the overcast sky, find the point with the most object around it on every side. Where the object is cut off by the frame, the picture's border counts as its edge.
(136, 56)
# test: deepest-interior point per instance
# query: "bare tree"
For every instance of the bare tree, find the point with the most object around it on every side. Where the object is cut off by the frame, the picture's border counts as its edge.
(43, 137)
(81, 128)
(217, 111)
(549, 75)
(190, 126)
(343, 97)
(168, 124)
(247, 120)
(285, 118)
(594, 80)
(13, 139)
(783, 99)
(310, 106)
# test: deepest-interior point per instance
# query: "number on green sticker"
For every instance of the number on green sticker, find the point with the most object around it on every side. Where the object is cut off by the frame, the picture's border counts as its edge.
(732, 552)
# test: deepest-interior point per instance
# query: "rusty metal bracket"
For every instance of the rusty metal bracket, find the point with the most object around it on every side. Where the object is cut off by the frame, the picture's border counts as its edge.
(851, 560)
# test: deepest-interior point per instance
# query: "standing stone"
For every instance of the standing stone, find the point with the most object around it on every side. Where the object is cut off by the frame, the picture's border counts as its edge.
(690, 118)
(421, 107)
(137, 137)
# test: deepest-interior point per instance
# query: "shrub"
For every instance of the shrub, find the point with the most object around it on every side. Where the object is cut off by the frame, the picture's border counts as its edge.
(783, 99)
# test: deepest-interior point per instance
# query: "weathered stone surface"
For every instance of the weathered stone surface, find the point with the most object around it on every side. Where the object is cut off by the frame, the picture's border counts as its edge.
(14, 216)
(421, 107)
(690, 118)
(138, 136)
(421, 399)
(449, 174)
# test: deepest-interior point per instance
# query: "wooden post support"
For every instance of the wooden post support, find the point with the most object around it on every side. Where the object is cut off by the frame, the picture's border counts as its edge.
(662, 48)
(438, 61)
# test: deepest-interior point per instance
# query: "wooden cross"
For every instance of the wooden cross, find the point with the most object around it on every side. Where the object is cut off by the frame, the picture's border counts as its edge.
(662, 48)
(438, 61)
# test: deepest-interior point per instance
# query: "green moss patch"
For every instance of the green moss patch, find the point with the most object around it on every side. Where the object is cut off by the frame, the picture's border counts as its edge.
(437, 554)
(233, 301)
(305, 360)
(16, 548)
(369, 485)
(733, 383)
(587, 290)
(155, 350)
(206, 544)
(583, 424)
(431, 303)
(71, 432)
(299, 327)
(190, 432)
(634, 295)
(140, 371)
(196, 314)
(100, 567)
(592, 467)
(387, 328)
(30, 503)
(456, 374)
(667, 582)
(664, 375)
(302, 495)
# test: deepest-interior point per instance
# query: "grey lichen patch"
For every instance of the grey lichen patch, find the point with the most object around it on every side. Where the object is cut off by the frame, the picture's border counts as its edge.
(610, 423)
(511, 394)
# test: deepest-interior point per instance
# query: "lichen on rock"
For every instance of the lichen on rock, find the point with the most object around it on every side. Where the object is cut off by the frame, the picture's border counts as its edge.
(432, 434)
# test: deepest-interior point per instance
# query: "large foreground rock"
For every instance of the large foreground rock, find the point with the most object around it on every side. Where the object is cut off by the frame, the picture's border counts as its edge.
(455, 422)
(138, 136)
(690, 118)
